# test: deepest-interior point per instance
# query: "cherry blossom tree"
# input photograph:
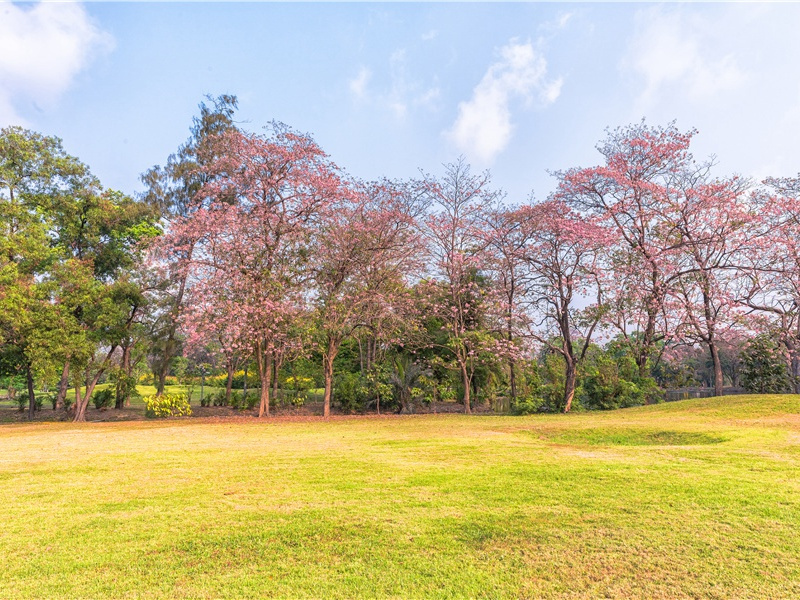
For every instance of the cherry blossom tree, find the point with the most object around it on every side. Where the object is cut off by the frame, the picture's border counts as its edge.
(637, 193)
(564, 252)
(717, 227)
(768, 282)
(264, 197)
(364, 250)
(504, 236)
(458, 200)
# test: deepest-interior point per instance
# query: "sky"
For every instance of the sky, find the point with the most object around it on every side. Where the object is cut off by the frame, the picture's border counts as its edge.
(389, 89)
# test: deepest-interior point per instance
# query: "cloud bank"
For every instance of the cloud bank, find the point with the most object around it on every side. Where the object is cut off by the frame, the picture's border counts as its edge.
(484, 127)
(42, 50)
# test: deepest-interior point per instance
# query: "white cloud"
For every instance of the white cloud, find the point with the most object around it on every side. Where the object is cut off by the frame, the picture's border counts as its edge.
(358, 85)
(678, 54)
(399, 91)
(430, 35)
(483, 127)
(42, 50)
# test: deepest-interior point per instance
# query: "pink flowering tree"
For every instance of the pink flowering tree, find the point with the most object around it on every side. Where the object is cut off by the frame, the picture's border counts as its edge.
(458, 201)
(768, 283)
(717, 227)
(265, 196)
(503, 237)
(564, 252)
(365, 248)
(637, 194)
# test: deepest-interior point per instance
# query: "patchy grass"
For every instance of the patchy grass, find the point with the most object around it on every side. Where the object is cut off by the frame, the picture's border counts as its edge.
(693, 499)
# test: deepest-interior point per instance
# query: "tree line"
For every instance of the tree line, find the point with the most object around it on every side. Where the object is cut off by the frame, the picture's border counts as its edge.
(255, 250)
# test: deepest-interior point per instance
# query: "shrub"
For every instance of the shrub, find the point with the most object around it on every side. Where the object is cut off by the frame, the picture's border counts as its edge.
(528, 405)
(764, 370)
(103, 398)
(168, 405)
(241, 402)
(349, 392)
(22, 402)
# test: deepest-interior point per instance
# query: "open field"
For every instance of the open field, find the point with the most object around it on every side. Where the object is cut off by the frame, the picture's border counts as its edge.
(694, 499)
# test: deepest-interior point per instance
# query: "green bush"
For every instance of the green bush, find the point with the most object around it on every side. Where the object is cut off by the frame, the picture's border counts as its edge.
(168, 405)
(215, 399)
(349, 392)
(22, 402)
(103, 398)
(528, 405)
(241, 402)
(764, 370)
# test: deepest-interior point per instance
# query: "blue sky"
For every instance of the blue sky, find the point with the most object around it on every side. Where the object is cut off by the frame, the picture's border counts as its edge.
(388, 89)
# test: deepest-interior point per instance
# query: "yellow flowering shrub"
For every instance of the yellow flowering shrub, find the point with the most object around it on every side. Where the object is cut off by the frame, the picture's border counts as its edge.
(168, 405)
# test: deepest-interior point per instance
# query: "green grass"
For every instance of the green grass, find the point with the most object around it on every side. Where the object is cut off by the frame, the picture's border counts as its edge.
(693, 499)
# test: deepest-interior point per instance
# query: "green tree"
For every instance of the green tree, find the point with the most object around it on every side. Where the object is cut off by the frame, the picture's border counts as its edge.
(173, 189)
(764, 370)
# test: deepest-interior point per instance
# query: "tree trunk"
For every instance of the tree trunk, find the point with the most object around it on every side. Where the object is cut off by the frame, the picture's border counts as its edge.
(718, 378)
(467, 388)
(162, 377)
(82, 403)
(275, 369)
(265, 362)
(122, 390)
(328, 370)
(80, 407)
(229, 383)
(31, 396)
(512, 378)
(327, 367)
(569, 386)
(63, 385)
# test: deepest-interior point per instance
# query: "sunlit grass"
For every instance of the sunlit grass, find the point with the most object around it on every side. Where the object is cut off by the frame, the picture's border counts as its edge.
(697, 499)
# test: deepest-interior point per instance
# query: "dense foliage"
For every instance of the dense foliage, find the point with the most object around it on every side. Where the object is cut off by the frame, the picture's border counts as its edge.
(253, 262)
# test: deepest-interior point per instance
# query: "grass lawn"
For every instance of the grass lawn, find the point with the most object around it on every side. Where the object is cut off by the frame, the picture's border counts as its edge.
(693, 499)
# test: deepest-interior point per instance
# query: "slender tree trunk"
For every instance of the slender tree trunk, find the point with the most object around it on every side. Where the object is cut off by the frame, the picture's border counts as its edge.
(718, 377)
(31, 396)
(275, 369)
(82, 402)
(327, 367)
(229, 383)
(512, 378)
(467, 387)
(63, 385)
(265, 362)
(570, 380)
(161, 380)
(80, 408)
(122, 390)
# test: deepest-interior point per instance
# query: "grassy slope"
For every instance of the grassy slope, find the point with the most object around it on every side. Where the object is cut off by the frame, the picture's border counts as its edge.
(699, 498)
